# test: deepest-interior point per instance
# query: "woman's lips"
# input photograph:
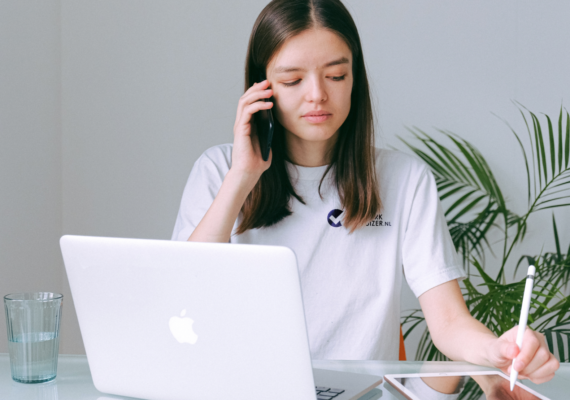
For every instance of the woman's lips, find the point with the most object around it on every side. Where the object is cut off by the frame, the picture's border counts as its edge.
(317, 118)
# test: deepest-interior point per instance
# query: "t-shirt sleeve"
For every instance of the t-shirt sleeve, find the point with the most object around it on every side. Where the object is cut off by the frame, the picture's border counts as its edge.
(418, 387)
(429, 255)
(201, 188)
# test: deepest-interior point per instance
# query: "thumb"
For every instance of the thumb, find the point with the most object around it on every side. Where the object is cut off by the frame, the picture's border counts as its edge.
(505, 352)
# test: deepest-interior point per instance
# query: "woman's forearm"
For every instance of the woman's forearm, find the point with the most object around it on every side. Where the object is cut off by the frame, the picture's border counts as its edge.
(218, 222)
(452, 328)
(464, 339)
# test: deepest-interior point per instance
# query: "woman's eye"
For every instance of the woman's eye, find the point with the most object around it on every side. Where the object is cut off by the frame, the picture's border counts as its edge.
(334, 78)
(291, 83)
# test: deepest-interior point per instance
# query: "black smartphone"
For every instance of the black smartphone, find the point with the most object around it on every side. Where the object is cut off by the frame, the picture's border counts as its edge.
(263, 120)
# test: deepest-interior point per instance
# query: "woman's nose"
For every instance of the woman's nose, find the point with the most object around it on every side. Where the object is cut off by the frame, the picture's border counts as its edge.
(316, 91)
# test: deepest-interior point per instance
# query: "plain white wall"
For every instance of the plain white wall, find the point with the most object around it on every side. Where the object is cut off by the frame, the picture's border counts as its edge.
(30, 149)
(147, 86)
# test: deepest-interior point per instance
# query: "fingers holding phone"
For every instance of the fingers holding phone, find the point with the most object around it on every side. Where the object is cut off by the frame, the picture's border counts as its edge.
(247, 152)
(264, 126)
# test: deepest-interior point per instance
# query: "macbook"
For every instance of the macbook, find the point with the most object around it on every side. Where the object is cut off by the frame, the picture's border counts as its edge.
(182, 321)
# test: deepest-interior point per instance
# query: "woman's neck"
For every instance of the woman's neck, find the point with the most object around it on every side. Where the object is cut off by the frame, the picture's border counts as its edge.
(307, 153)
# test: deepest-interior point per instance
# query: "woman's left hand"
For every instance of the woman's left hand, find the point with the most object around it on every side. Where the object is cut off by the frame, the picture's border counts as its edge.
(534, 361)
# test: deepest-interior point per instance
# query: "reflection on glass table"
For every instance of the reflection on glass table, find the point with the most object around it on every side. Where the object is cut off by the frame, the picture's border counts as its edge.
(74, 381)
(477, 386)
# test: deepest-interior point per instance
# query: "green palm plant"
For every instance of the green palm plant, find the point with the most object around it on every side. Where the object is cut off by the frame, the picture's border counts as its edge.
(476, 207)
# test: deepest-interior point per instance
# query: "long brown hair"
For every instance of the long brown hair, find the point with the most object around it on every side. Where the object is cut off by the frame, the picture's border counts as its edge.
(353, 155)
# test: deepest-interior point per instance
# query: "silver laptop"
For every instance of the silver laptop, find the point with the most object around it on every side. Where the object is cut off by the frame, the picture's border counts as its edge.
(182, 321)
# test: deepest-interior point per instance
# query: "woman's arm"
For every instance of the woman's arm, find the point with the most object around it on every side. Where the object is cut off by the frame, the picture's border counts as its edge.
(462, 338)
(247, 167)
(217, 223)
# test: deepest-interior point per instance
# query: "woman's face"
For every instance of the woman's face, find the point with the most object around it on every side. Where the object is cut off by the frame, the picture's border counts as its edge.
(311, 78)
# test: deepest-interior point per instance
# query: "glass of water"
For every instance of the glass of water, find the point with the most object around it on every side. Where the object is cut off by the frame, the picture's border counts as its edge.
(33, 321)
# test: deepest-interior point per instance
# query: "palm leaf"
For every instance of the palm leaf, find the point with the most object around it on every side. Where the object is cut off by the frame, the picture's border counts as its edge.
(466, 178)
(558, 343)
(533, 157)
(469, 237)
(413, 319)
(471, 391)
(474, 202)
(540, 151)
(552, 190)
(567, 147)
(556, 239)
(552, 146)
(560, 142)
(558, 180)
(524, 155)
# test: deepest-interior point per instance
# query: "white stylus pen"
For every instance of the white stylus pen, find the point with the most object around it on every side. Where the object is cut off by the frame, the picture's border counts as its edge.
(523, 320)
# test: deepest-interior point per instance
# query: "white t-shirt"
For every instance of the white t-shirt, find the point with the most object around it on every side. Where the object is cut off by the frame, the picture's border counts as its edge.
(351, 283)
(418, 387)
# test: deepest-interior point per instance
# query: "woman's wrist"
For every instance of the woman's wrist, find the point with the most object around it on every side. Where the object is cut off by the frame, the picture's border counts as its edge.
(490, 346)
(483, 343)
(243, 181)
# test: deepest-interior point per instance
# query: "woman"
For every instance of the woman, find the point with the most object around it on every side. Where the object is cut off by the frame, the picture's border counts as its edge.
(358, 218)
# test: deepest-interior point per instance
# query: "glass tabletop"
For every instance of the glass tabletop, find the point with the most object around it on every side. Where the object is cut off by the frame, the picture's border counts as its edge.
(74, 381)
(556, 389)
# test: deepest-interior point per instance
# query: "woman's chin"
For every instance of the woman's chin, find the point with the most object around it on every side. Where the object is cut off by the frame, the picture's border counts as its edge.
(313, 135)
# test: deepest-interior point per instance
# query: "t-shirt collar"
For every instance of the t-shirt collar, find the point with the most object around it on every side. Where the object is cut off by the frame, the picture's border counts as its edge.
(296, 172)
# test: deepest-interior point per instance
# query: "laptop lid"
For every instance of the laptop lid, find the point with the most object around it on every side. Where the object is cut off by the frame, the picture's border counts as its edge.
(179, 320)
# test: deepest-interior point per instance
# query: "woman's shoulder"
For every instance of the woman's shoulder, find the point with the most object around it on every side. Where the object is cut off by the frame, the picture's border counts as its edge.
(401, 176)
(397, 162)
(219, 156)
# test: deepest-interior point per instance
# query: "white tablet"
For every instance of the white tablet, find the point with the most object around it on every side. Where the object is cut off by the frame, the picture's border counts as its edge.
(478, 385)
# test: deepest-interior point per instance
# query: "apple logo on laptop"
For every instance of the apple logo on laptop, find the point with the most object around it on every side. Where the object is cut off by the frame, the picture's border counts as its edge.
(181, 329)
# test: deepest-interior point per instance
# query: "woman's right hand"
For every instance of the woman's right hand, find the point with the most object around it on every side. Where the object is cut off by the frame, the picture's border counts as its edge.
(247, 167)
(246, 153)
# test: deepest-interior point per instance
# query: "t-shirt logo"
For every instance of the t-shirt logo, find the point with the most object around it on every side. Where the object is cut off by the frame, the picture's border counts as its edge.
(378, 221)
(334, 219)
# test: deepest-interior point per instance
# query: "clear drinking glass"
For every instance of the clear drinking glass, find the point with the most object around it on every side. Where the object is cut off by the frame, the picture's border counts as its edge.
(33, 320)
